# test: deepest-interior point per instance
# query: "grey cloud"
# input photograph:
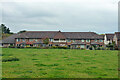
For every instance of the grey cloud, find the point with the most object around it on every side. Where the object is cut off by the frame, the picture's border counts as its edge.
(65, 16)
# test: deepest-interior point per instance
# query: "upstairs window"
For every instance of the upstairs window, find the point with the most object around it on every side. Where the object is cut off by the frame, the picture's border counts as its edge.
(68, 40)
(62, 39)
(36, 40)
(88, 40)
(56, 39)
(18, 40)
(101, 40)
(82, 40)
(30, 39)
(73, 40)
(96, 40)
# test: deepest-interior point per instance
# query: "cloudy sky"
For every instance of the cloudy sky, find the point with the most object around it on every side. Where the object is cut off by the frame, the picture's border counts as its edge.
(100, 16)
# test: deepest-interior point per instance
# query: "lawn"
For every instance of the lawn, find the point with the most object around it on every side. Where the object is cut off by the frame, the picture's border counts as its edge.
(59, 63)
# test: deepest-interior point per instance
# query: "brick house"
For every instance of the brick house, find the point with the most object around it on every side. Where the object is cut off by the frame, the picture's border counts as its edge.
(58, 38)
(117, 39)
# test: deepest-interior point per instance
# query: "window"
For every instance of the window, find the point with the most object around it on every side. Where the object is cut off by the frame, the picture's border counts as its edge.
(101, 40)
(30, 39)
(51, 40)
(68, 40)
(88, 40)
(96, 40)
(56, 39)
(62, 39)
(50, 44)
(82, 46)
(18, 40)
(82, 40)
(36, 40)
(73, 40)
(23, 40)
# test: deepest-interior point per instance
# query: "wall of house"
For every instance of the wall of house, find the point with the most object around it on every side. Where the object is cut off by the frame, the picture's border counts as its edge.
(60, 42)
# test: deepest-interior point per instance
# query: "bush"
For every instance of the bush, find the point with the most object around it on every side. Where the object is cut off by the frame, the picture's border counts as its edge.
(10, 59)
(11, 46)
(59, 47)
(82, 48)
(91, 48)
(98, 48)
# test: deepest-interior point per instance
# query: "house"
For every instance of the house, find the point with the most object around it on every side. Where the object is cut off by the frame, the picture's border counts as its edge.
(9, 41)
(117, 39)
(56, 38)
(108, 38)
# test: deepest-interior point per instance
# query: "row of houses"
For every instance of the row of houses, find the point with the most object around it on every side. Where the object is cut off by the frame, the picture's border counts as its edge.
(58, 38)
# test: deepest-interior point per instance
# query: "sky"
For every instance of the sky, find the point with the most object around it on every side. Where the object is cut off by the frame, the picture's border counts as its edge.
(99, 16)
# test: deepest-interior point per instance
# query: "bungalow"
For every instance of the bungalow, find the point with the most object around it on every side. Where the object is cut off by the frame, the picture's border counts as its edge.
(56, 38)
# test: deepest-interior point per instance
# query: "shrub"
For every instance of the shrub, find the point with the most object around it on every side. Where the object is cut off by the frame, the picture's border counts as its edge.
(59, 47)
(82, 48)
(11, 46)
(98, 48)
(54, 47)
(91, 48)
(62, 47)
(10, 59)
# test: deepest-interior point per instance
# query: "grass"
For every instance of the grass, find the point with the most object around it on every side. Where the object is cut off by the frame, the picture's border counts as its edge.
(59, 63)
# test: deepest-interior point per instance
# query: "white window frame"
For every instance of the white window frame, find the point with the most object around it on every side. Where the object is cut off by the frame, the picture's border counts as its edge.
(82, 40)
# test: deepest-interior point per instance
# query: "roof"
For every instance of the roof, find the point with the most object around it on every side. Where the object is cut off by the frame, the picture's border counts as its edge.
(37, 34)
(109, 36)
(10, 39)
(58, 34)
(117, 35)
(82, 35)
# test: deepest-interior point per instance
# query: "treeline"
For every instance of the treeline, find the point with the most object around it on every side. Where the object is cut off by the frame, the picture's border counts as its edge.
(6, 30)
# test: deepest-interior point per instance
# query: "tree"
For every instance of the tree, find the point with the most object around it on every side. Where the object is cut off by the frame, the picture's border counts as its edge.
(8, 31)
(4, 29)
(22, 31)
(46, 41)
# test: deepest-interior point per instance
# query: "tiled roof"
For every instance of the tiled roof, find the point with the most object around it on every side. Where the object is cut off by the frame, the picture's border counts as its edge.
(82, 35)
(53, 34)
(10, 39)
(57, 34)
(37, 34)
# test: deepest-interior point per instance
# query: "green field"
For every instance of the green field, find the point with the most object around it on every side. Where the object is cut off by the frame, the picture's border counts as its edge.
(59, 63)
